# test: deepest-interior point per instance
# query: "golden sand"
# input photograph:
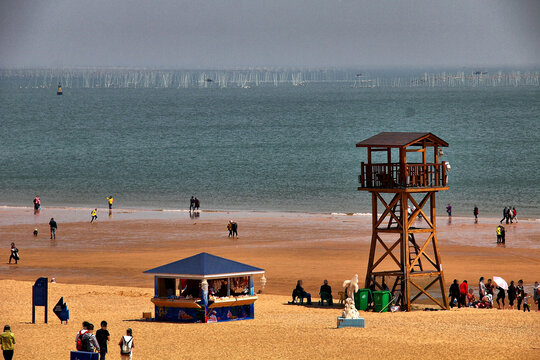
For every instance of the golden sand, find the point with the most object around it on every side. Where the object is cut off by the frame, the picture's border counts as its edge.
(99, 272)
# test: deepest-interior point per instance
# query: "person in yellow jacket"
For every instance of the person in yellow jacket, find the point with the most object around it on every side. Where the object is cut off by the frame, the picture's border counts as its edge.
(94, 215)
(499, 234)
(110, 201)
(7, 339)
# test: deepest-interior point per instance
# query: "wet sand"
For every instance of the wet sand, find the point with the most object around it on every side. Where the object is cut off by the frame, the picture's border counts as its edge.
(115, 251)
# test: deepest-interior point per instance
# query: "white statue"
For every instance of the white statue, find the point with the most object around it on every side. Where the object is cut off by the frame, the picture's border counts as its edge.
(351, 286)
(350, 311)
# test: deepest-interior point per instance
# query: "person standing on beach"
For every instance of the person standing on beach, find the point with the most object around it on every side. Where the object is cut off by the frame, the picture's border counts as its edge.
(463, 291)
(103, 336)
(7, 340)
(94, 215)
(454, 294)
(449, 210)
(192, 203)
(499, 234)
(503, 235)
(475, 213)
(500, 296)
(126, 345)
(511, 294)
(110, 201)
(536, 293)
(14, 253)
(37, 204)
(514, 214)
(519, 293)
(234, 229)
(197, 204)
(526, 302)
(481, 288)
(53, 226)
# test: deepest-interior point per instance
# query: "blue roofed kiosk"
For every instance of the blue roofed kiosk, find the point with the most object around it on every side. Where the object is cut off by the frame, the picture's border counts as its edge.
(204, 288)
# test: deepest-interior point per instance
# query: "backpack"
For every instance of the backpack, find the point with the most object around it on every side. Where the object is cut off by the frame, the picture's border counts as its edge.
(126, 345)
(85, 343)
(79, 340)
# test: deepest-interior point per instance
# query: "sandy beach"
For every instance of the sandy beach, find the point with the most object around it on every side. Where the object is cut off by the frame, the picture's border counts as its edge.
(98, 268)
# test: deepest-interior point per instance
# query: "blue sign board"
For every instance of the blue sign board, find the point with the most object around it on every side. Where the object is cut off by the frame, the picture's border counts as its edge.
(40, 294)
(83, 355)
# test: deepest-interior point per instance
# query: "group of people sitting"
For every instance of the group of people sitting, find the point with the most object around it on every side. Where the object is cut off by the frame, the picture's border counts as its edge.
(325, 293)
(463, 296)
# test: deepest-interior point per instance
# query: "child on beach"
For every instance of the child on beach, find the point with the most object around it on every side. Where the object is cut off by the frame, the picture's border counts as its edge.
(94, 215)
(7, 340)
(449, 210)
(126, 345)
(14, 253)
(526, 306)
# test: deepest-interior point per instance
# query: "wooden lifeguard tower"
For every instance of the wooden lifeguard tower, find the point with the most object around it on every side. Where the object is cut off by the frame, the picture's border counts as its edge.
(400, 255)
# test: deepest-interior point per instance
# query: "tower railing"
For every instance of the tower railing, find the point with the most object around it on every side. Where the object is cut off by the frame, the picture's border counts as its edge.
(394, 175)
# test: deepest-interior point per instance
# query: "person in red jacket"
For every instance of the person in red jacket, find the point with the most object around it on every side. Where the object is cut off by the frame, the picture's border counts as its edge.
(463, 291)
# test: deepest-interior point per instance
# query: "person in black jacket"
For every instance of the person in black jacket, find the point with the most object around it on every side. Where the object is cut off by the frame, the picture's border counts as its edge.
(453, 293)
(53, 225)
(326, 293)
(511, 294)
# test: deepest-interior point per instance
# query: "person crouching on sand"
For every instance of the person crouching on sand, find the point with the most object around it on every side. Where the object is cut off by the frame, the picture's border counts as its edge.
(94, 215)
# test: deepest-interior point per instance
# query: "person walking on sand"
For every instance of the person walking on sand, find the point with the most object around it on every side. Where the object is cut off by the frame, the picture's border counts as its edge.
(229, 227)
(103, 337)
(80, 333)
(89, 341)
(126, 345)
(94, 215)
(514, 214)
(475, 213)
(192, 203)
(511, 294)
(14, 253)
(197, 204)
(449, 210)
(53, 226)
(7, 340)
(505, 213)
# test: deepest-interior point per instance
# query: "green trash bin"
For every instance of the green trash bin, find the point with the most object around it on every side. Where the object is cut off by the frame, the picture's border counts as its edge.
(381, 299)
(362, 298)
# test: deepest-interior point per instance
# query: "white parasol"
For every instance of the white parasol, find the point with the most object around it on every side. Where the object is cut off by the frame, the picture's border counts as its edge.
(500, 282)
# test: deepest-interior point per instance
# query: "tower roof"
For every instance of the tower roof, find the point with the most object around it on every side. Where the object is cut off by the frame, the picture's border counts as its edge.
(203, 266)
(402, 139)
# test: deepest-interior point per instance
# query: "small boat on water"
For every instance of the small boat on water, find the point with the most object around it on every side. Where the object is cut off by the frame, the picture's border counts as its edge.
(59, 91)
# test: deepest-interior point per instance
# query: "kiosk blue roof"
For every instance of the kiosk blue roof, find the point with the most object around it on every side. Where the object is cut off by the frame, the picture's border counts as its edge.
(204, 266)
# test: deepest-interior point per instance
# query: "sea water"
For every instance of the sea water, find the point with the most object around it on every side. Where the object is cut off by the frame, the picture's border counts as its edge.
(285, 148)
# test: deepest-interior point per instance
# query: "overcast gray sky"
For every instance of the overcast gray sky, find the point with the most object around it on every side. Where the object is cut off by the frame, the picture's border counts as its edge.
(237, 33)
